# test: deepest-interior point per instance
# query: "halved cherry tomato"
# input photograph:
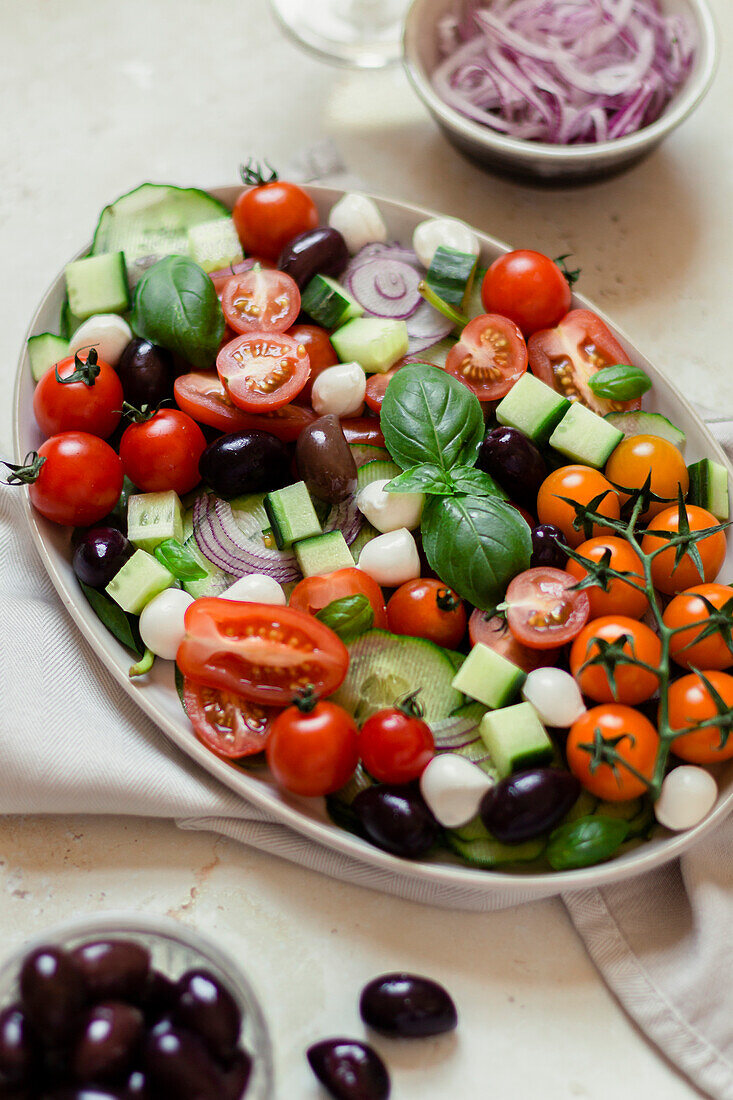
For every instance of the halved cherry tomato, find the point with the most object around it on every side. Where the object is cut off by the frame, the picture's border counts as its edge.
(543, 610)
(270, 213)
(320, 353)
(647, 456)
(621, 598)
(92, 404)
(627, 732)
(632, 684)
(672, 579)
(260, 300)
(395, 744)
(493, 631)
(263, 371)
(163, 452)
(528, 288)
(80, 480)
(581, 484)
(227, 723)
(565, 358)
(363, 429)
(264, 652)
(221, 278)
(315, 593)
(690, 702)
(376, 387)
(489, 357)
(427, 608)
(313, 751)
(689, 607)
(201, 394)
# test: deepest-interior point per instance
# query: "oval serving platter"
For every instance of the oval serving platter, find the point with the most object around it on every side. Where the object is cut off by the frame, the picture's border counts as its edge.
(159, 699)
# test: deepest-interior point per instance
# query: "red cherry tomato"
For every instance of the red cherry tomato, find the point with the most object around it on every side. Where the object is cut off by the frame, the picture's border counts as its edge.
(269, 214)
(395, 745)
(80, 480)
(493, 631)
(260, 300)
(203, 397)
(543, 610)
(263, 371)
(313, 752)
(320, 353)
(376, 387)
(163, 452)
(363, 429)
(489, 357)
(227, 723)
(92, 403)
(315, 593)
(528, 288)
(221, 278)
(427, 608)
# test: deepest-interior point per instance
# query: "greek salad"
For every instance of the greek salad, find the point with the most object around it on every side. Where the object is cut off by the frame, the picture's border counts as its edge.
(401, 522)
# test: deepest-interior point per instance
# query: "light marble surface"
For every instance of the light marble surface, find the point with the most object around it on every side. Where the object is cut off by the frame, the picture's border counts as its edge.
(96, 97)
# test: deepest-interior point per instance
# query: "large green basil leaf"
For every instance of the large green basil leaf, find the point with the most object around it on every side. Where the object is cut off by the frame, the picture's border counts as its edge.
(429, 416)
(176, 306)
(586, 841)
(424, 478)
(476, 483)
(620, 382)
(476, 545)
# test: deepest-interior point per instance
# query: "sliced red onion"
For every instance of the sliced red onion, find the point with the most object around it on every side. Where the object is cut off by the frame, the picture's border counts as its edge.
(385, 287)
(452, 733)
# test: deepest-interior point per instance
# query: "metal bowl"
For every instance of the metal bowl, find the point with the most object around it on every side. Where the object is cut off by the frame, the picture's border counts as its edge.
(539, 160)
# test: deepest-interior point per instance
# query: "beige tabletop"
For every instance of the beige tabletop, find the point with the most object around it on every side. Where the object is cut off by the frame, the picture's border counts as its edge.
(96, 97)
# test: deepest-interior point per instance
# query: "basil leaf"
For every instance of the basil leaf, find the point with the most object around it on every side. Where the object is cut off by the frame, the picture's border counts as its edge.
(113, 617)
(585, 841)
(424, 478)
(176, 306)
(348, 617)
(475, 482)
(429, 417)
(179, 561)
(621, 382)
(476, 545)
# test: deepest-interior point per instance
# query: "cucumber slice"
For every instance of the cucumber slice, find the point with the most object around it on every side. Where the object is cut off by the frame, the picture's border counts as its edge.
(97, 284)
(384, 667)
(214, 245)
(488, 677)
(475, 844)
(437, 354)
(376, 471)
(44, 350)
(376, 343)
(639, 422)
(365, 452)
(249, 510)
(583, 436)
(532, 407)
(291, 515)
(365, 535)
(586, 805)
(328, 303)
(323, 554)
(709, 487)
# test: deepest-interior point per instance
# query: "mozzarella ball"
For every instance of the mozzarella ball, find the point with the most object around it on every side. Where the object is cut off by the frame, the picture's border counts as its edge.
(339, 389)
(358, 220)
(453, 788)
(555, 696)
(435, 233)
(388, 511)
(255, 588)
(391, 559)
(161, 622)
(688, 795)
(107, 333)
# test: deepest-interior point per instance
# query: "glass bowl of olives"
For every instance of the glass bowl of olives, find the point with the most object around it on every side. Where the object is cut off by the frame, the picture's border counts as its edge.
(125, 1006)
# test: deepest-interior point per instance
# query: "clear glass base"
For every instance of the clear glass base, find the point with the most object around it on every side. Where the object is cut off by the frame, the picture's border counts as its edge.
(365, 34)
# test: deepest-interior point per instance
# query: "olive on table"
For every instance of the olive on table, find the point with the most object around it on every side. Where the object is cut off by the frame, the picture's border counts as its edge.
(397, 819)
(546, 548)
(203, 1005)
(146, 373)
(107, 1040)
(17, 1053)
(349, 1070)
(113, 969)
(407, 1006)
(513, 460)
(325, 461)
(159, 997)
(245, 462)
(51, 992)
(528, 804)
(178, 1064)
(320, 251)
(99, 553)
(236, 1076)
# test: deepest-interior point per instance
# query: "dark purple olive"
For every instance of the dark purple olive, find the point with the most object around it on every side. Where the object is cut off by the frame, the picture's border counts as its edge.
(513, 460)
(85, 1092)
(406, 1006)
(325, 461)
(320, 251)
(236, 1075)
(136, 1087)
(206, 1007)
(349, 1070)
(146, 373)
(113, 970)
(17, 1054)
(51, 992)
(159, 997)
(527, 804)
(245, 462)
(100, 553)
(178, 1065)
(396, 819)
(107, 1040)
(545, 548)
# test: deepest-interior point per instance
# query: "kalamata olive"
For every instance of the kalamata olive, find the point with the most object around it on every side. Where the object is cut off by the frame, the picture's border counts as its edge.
(51, 991)
(514, 461)
(85, 1092)
(545, 548)
(349, 1070)
(320, 251)
(136, 1087)
(159, 997)
(245, 462)
(406, 1005)
(396, 819)
(106, 1042)
(178, 1065)
(113, 970)
(17, 1053)
(146, 373)
(206, 1007)
(236, 1076)
(100, 553)
(324, 460)
(527, 804)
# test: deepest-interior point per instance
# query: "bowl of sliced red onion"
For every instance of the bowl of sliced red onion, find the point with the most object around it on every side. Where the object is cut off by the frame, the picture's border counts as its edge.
(560, 89)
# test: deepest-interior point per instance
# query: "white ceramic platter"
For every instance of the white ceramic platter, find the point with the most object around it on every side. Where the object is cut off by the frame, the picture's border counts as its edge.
(158, 698)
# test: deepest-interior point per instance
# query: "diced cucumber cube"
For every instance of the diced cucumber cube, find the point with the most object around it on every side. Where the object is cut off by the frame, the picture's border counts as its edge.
(328, 303)
(532, 407)
(488, 677)
(215, 244)
(154, 517)
(98, 284)
(323, 554)
(516, 739)
(44, 350)
(584, 437)
(451, 275)
(140, 578)
(291, 514)
(709, 487)
(376, 343)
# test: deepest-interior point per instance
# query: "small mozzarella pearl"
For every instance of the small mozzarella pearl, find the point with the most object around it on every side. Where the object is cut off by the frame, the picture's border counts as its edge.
(106, 332)
(161, 622)
(255, 588)
(435, 233)
(555, 696)
(358, 220)
(453, 788)
(688, 795)
(339, 389)
(388, 511)
(391, 559)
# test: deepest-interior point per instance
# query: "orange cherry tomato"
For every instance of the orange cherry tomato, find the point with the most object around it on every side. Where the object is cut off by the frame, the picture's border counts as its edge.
(633, 684)
(631, 735)
(689, 702)
(692, 607)
(666, 577)
(642, 456)
(621, 598)
(427, 608)
(581, 484)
